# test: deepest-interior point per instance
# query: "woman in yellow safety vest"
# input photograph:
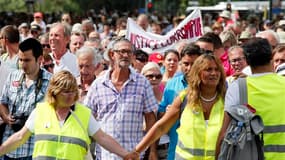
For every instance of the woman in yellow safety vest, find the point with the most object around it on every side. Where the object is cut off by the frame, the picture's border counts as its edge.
(62, 127)
(202, 117)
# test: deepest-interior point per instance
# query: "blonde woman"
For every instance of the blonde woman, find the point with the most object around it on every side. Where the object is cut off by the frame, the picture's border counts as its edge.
(61, 126)
(204, 111)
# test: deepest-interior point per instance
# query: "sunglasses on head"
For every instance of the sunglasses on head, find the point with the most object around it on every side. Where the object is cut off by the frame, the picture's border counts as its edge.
(47, 66)
(204, 51)
(151, 76)
(45, 45)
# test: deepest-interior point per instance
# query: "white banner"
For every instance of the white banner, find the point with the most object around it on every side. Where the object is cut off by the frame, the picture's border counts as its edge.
(191, 28)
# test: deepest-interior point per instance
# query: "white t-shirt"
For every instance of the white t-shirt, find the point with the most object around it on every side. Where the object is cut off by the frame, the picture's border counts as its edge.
(67, 62)
(93, 125)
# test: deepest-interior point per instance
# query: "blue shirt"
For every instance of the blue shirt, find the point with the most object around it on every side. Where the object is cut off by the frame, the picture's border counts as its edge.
(171, 90)
(16, 93)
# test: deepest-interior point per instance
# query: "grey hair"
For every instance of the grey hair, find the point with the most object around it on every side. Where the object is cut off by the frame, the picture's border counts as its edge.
(66, 28)
(234, 47)
(89, 51)
(268, 32)
(148, 66)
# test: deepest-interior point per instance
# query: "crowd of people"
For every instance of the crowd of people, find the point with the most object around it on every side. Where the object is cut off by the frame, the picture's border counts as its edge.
(76, 90)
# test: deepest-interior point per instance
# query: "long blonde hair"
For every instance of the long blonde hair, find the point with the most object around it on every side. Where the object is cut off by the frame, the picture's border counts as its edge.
(60, 81)
(194, 80)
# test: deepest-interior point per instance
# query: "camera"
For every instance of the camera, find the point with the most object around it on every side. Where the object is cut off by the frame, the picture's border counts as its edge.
(20, 120)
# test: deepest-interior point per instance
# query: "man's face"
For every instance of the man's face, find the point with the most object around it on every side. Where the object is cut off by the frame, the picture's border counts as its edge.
(86, 67)
(187, 62)
(237, 59)
(57, 40)
(76, 42)
(122, 54)
(205, 45)
(278, 58)
(28, 62)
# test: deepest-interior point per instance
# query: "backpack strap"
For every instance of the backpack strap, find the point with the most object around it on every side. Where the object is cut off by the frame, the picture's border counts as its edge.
(242, 91)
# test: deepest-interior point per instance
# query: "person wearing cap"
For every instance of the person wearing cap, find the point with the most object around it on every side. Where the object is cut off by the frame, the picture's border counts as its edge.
(157, 58)
(121, 99)
(225, 18)
(140, 59)
(265, 92)
(38, 20)
(244, 36)
(35, 31)
(24, 31)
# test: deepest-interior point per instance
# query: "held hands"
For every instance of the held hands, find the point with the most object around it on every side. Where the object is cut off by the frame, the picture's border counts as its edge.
(132, 156)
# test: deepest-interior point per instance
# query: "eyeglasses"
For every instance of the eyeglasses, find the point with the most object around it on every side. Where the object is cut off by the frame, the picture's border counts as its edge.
(45, 45)
(47, 66)
(151, 76)
(123, 51)
(237, 60)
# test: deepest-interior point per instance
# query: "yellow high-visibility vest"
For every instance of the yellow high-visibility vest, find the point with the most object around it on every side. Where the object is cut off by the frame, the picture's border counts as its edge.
(266, 94)
(67, 142)
(196, 141)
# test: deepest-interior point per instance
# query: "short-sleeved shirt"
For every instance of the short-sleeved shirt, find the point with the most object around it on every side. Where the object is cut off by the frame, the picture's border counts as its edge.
(232, 94)
(17, 94)
(172, 90)
(121, 113)
(11, 63)
(67, 62)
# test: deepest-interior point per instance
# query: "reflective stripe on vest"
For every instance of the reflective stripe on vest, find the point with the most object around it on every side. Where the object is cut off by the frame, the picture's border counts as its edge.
(63, 139)
(274, 129)
(196, 152)
(274, 148)
(46, 158)
(266, 95)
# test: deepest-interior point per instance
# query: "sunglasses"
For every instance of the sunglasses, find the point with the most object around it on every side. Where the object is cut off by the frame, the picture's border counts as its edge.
(45, 45)
(47, 66)
(141, 59)
(151, 76)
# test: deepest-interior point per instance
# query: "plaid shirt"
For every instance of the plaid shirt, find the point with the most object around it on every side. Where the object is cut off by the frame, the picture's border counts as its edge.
(24, 99)
(121, 113)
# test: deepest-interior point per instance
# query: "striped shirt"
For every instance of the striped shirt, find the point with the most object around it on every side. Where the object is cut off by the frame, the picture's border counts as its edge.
(121, 113)
(15, 92)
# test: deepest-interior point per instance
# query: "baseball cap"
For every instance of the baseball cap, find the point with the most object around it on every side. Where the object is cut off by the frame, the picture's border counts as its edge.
(35, 27)
(38, 15)
(155, 57)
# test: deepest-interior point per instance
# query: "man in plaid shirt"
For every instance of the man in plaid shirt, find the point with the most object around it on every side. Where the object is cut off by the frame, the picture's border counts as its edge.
(22, 90)
(121, 99)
